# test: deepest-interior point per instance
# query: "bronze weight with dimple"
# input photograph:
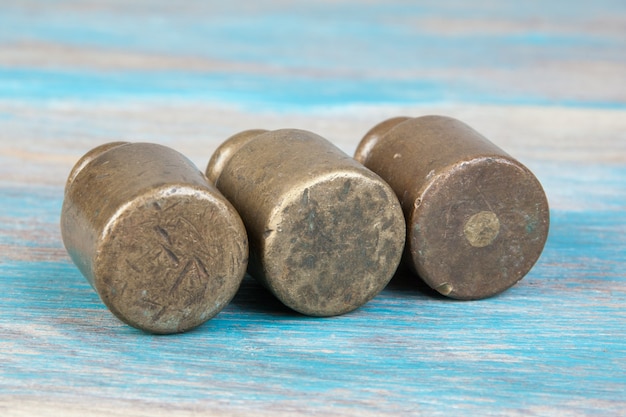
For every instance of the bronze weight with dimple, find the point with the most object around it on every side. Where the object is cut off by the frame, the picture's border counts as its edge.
(477, 219)
(162, 247)
(326, 234)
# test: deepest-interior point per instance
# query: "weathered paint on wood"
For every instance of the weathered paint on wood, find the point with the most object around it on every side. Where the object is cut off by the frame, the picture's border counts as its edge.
(543, 81)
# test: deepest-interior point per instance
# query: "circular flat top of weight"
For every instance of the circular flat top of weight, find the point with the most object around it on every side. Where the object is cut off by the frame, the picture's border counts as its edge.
(171, 259)
(478, 228)
(333, 244)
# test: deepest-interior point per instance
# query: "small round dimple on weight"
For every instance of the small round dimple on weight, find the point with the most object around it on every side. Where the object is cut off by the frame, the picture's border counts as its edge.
(482, 228)
(477, 219)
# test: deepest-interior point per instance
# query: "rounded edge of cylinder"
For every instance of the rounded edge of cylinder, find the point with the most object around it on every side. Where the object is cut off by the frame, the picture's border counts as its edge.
(88, 157)
(226, 150)
(70, 214)
(374, 135)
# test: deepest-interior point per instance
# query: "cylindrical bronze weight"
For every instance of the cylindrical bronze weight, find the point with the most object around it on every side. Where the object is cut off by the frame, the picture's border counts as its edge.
(326, 234)
(477, 219)
(164, 250)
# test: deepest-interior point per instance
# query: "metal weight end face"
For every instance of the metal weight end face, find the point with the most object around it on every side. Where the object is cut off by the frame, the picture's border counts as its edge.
(171, 259)
(333, 244)
(479, 228)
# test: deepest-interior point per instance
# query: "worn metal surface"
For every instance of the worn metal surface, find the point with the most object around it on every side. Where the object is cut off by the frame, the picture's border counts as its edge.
(326, 234)
(477, 219)
(162, 247)
(189, 74)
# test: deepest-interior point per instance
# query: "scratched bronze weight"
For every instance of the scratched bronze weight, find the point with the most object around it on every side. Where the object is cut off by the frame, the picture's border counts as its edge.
(326, 234)
(477, 219)
(162, 247)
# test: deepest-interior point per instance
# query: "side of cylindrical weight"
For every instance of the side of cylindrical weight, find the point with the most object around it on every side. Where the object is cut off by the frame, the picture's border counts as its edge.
(162, 247)
(477, 219)
(326, 234)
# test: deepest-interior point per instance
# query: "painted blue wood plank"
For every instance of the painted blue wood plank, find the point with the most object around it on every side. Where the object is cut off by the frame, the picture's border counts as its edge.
(278, 55)
(270, 92)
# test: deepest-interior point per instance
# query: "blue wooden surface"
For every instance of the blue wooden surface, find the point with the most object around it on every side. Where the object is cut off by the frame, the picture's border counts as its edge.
(545, 81)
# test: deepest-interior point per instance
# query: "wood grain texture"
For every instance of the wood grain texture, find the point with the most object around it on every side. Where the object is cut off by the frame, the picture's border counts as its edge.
(544, 81)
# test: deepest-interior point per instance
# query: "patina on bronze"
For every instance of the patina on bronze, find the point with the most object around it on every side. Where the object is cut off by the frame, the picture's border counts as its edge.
(326, 234)
(477, 219)
(162, 247)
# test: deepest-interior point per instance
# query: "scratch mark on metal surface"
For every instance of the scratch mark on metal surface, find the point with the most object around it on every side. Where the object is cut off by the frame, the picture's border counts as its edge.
(170, 254)
(180, 277)
(163, 233)
(201, 268)
(480, 193)
(132, 266)
(159, 314)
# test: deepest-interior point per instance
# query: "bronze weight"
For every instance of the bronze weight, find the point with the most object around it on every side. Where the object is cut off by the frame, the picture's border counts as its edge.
(326, 234)
(477, 219)
(162, 247)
